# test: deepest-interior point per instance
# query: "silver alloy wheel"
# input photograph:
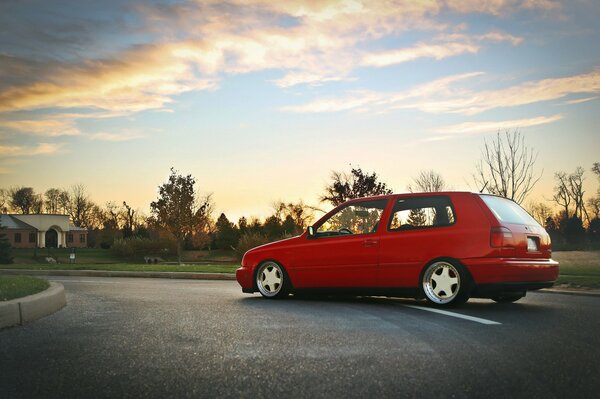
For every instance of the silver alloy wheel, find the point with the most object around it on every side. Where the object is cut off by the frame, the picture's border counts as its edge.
(269, 279)
(441, 282)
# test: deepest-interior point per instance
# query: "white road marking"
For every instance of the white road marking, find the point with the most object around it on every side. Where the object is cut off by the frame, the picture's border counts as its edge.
(457, 315)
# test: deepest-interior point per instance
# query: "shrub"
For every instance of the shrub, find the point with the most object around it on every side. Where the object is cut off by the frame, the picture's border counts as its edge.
(140, 247)
(248, 241)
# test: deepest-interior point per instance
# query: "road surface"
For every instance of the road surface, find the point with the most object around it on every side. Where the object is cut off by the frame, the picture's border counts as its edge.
(158, 338)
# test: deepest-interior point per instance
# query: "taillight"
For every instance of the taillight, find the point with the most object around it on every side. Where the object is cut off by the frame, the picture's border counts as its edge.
(501, 237)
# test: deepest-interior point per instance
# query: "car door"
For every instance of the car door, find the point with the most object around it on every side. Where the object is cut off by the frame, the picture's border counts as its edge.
(417, 230)
(344, 250)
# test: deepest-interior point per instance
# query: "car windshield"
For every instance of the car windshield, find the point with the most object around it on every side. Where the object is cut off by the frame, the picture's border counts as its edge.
(508, 211)
(357, 218)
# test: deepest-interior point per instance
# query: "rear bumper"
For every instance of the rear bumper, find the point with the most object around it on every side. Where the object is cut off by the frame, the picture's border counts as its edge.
(243, 276)
(518, 272)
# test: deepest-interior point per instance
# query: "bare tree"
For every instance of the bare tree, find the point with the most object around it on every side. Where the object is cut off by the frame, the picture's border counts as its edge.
(4, 200)
(569, 190)
(507, 166)
(540, 211)
(301, 214)
(78, 206)
(428, 181)
(52, 204)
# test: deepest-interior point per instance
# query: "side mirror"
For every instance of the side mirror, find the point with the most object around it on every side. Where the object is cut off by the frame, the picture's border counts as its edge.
(311, 232)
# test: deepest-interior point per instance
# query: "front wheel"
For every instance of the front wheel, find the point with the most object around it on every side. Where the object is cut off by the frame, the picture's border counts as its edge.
(445, 283)
(271, 280)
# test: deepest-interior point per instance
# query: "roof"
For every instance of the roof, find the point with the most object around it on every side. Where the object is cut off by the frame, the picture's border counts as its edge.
(13, 223)
(72, 227)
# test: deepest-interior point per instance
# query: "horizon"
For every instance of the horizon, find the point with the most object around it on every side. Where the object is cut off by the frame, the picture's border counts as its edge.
(260, 101)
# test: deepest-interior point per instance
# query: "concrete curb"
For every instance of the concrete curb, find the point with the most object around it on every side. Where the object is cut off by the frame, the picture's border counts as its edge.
(106, 273)
(570, 292)
(32, 307)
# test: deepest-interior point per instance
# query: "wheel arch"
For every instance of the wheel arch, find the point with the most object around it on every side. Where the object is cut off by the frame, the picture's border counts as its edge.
(450, 259)
(255, 271)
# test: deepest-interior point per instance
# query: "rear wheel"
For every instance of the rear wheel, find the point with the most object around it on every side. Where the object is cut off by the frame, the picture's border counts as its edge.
(445, 283)
(271, 280)
(509, 298)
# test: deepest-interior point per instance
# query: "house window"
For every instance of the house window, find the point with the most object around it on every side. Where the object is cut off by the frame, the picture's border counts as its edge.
(82, 238)
(70, 237)
(32, 238)
(17, 237)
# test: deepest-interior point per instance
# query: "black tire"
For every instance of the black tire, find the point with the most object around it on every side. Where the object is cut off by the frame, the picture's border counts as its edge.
(509, 298)
(445, 283)
(271, 280)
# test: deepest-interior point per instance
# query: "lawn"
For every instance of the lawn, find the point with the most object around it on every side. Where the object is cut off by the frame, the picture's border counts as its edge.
(106, 256)
(579, 268)
(12, 287)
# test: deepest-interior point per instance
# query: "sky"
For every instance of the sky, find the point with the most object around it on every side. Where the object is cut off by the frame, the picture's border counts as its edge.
(261, 100)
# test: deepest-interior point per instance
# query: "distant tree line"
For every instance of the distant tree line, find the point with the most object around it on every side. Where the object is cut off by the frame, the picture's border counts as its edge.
(182, 216)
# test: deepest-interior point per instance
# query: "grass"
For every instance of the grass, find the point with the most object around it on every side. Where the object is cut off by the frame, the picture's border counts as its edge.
(578, 268)
(106, 256)
(128, 267)
(12, 287)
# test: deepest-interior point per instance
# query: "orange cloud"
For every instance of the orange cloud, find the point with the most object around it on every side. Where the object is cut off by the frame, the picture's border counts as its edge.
(42, 127)
(40, 149)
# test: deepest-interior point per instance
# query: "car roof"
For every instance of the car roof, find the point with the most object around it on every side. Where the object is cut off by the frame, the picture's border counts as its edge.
(418, 194)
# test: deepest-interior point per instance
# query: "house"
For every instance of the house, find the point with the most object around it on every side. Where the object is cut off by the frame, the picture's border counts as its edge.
(43, 231)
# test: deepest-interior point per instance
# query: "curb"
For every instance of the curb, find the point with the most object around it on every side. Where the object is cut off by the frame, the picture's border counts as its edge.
(32, 307)
(571, 292)
(106, 273)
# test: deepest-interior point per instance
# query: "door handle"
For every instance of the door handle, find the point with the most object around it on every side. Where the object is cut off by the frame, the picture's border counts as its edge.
(370, 243)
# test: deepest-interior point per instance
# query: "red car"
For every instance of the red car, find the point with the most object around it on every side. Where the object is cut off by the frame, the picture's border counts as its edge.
(446, 247)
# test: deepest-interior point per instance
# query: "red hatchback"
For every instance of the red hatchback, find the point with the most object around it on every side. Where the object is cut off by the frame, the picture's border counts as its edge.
(446, 247)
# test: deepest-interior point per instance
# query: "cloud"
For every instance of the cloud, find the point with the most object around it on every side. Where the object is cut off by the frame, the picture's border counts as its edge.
(444, 46)
(40, 149)
(581, 100)
(443, 96)
(116, 136)
(436, 51)
(42, 127)
(491, 126)
(192, 45)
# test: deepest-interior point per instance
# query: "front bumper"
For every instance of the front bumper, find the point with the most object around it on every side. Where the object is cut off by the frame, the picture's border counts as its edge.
(516, 271)
(243, 276)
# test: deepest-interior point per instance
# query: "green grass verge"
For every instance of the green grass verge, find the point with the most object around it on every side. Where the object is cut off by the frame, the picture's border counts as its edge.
(98, 255)
(12, 287)
(127, 267)
(579, 281)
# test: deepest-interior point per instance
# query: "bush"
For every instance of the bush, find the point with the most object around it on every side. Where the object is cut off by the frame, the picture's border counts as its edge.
(248, 241)
(140, 247)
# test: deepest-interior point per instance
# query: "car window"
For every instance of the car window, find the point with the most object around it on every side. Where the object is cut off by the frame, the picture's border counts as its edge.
(356, 218)
(421, 212)
(508, 211)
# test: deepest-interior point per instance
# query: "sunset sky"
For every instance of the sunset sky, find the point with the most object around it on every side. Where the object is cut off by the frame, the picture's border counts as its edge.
(260, 100)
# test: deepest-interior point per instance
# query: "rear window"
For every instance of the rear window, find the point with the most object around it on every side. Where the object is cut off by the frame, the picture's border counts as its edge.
(421, 212)
(508, 211)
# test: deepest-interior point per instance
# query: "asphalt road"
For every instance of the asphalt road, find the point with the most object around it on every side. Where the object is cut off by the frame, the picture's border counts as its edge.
(179, 338)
